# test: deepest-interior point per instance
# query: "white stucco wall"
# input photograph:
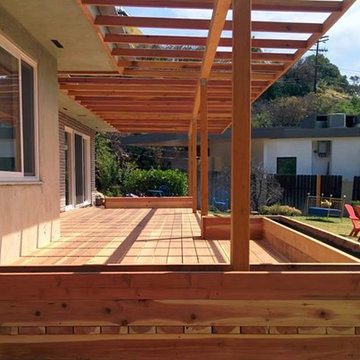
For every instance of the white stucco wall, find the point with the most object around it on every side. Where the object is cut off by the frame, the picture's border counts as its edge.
(29, 214)
(299, 148)
(257, 151)
(345, 157)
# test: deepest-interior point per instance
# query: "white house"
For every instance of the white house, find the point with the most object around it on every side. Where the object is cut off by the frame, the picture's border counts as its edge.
(321, 145)
(329, 148)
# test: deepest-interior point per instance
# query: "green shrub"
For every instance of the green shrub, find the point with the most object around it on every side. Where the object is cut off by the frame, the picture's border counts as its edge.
(278, 209)
(114, 190)
(107, 168)
(139, 181)
(355, 203)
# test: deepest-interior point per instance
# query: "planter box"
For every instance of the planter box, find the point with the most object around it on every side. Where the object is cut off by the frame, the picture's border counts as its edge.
(148, 202)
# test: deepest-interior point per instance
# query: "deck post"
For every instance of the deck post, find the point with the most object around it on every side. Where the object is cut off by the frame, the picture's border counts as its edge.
(194, 164)
(241, 136)
(189, 168)
(318, 190)
(204, 147)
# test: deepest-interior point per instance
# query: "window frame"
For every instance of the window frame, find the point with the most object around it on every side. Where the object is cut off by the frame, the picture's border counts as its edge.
(87, 163)
(19, 176)
(287, 158)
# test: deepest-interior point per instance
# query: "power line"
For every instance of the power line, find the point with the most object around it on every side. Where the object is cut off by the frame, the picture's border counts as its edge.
(323, 40)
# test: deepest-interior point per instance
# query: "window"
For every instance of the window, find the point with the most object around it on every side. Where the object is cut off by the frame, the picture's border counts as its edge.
(18, 127)
(286, 166)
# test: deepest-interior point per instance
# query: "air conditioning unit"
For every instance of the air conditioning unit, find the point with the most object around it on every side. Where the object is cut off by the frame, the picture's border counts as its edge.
(323, 149)
(337, 121)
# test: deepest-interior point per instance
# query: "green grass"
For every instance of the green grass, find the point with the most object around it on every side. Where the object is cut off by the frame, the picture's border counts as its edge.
(334, 225)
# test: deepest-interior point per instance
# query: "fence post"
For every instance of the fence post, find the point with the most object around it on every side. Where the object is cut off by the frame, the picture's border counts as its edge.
(318, 190)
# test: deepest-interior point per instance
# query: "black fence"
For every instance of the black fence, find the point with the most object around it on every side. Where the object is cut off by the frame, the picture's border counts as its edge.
(297, 187)
(356, 189)
(331, 185)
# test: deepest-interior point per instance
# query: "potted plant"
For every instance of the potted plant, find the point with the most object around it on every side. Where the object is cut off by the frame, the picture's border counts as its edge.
(99, 199)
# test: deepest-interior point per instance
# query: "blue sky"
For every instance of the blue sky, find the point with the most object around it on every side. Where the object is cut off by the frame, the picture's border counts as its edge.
(343, 45)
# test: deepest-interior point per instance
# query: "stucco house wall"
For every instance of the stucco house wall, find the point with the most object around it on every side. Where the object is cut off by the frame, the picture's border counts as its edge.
(29, 215)
(345, 157)
(301, 149)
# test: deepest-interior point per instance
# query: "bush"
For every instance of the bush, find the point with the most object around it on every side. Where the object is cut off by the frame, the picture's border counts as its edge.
(355, 203)
(278, 209)
(139, 181)
(107, 167)
(265, 189)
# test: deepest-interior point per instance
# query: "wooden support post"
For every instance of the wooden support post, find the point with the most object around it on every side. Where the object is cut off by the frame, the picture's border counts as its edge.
(204, 147)
(189, 163)
(241, 135)
(194, 164)
(318, 190)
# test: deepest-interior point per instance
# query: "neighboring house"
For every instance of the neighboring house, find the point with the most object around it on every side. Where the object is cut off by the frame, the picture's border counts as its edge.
(321, 145)
(46, 138)
(324, 145)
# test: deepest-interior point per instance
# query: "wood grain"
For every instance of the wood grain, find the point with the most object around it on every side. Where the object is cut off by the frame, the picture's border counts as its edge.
(212, 347)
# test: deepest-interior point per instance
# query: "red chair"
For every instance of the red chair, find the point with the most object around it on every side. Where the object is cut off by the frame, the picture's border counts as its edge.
(357, 211)
(354, 219)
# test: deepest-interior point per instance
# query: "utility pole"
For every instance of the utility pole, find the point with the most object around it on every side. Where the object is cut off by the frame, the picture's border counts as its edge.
(323, 40)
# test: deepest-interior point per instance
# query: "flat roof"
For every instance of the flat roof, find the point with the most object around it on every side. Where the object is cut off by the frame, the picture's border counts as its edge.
(256, 133)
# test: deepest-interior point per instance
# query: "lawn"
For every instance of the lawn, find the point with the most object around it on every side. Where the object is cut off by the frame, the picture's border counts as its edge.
(334, 225)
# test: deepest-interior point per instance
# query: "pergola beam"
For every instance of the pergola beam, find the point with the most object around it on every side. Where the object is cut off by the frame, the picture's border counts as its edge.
(197, 54)
(201, 24)
(194, 65)
(151, 84)
(260, 5)
(199, 41)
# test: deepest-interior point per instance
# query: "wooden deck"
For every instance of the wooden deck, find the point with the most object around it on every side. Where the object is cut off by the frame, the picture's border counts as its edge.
(138, 236)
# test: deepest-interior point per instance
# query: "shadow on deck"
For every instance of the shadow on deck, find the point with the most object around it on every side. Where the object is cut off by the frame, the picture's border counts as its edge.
(138, 236)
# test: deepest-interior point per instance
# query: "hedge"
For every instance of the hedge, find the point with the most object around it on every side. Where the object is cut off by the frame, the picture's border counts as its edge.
(139, 181)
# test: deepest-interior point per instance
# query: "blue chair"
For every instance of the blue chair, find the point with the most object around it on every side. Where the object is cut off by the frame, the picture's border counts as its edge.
(221, 200)
(165, 190)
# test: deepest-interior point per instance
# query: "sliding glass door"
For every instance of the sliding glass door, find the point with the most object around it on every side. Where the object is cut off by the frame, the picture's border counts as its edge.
(77, 169)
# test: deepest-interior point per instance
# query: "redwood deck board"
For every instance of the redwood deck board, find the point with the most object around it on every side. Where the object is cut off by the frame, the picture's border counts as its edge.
(137, 236)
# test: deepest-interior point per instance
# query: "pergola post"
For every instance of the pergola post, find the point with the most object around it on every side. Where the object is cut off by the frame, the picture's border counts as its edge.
(204, 147)
(189, 168)
(194, 164)
(241, 135)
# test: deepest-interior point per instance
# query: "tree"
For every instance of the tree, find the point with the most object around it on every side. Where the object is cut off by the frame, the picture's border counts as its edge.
(265, 189)
(299, 80)
(106, 167)
(291, 110)
(355, 86)
(351, 107)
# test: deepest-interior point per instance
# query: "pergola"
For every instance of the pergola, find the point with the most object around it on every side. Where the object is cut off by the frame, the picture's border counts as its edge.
(189, 84)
